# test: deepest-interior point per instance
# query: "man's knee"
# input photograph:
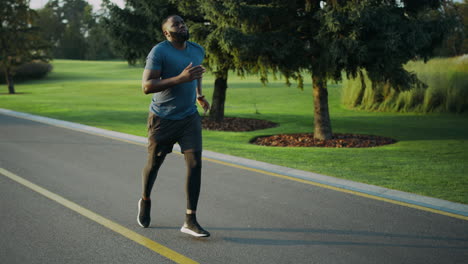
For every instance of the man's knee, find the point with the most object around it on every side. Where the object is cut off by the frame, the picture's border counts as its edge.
(155, 161)
(193, 160)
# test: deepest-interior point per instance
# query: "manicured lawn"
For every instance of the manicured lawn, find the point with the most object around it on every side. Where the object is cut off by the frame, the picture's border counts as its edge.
(430, 157)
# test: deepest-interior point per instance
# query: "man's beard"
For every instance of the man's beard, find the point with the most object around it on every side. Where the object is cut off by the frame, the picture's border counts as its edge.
(180, 36)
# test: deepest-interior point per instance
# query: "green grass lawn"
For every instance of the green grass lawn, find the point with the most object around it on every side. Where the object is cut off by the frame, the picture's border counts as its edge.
(430, 157)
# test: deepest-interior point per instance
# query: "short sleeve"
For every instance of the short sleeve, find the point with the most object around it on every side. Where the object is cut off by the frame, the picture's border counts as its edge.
(154, 59)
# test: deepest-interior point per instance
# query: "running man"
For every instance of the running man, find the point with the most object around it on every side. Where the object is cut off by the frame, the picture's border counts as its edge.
(173, 74)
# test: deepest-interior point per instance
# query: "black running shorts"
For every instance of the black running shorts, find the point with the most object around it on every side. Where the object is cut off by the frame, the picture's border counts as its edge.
(164, 133)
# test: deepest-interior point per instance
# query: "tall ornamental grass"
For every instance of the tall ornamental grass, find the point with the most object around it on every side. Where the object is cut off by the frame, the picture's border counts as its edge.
(446, 90)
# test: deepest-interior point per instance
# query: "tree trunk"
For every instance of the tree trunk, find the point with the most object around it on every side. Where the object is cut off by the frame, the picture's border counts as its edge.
(322, 124)
(9, 80)
(219, 96)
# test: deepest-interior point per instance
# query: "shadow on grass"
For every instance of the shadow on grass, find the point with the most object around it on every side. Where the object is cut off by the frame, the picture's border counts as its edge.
(17, 93)
(67, 77)
(258, 84)
(407, 127)
(127, 117)
(399, 127)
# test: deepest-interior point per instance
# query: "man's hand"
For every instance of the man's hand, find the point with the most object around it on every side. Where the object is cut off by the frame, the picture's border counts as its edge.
(203, 103)
(191, 73)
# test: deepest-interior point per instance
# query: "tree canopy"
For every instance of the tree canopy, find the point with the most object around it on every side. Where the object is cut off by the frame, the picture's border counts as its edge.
(74, 31)
(327, 38)
(136, 28)
(212, 34)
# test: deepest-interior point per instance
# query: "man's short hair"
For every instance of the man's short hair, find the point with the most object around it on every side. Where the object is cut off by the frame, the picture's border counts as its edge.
(165, 21)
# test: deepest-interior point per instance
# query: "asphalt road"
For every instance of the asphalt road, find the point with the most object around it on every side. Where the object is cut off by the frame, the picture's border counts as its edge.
(253, 217)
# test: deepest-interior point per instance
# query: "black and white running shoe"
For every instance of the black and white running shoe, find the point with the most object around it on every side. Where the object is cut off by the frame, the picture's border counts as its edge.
(144, 210)
(192, 227)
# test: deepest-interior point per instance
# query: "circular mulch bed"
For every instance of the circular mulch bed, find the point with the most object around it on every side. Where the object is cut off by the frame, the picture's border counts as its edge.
(237, 124)
(307, 140)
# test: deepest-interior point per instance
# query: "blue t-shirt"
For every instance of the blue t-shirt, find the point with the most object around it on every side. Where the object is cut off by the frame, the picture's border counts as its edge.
(177, 102)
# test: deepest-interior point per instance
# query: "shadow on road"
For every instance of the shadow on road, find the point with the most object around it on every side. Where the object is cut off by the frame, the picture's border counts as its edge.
(352, 235)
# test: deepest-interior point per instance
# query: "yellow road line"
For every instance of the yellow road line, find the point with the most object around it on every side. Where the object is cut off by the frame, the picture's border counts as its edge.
(142, 240)
(423, 208)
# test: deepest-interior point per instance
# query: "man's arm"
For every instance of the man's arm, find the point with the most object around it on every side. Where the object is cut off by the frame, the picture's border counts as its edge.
(199, 87)
(151, 81)
(201, 98)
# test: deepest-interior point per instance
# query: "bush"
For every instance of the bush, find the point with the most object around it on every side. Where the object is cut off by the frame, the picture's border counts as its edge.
(29, 71)
(447, 89)
(457, 97)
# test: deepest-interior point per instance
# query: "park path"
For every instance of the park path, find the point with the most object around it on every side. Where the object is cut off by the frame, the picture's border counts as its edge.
(71, 197)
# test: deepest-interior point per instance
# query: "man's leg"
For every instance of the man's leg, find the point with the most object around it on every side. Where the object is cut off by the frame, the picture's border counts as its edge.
(193, 161)
(150, 172)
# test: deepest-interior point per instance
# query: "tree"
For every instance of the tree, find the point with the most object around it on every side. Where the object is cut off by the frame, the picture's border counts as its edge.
(51, 26)
(211, 34)
(135, 29)
(327, 38)
(67, 25)
(75, 20)
(75, 35)
(20, 41)
(219, 32)
(99, 43)
(463, 11)
(453, 43)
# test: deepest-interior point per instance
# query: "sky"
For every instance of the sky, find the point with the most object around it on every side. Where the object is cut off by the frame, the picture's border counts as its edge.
(35, 4)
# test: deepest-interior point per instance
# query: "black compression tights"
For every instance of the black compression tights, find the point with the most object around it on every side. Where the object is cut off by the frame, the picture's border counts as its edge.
(192, 187)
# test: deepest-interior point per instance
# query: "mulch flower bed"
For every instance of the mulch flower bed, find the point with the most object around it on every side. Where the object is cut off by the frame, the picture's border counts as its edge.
(236, 124)
(338, 141)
